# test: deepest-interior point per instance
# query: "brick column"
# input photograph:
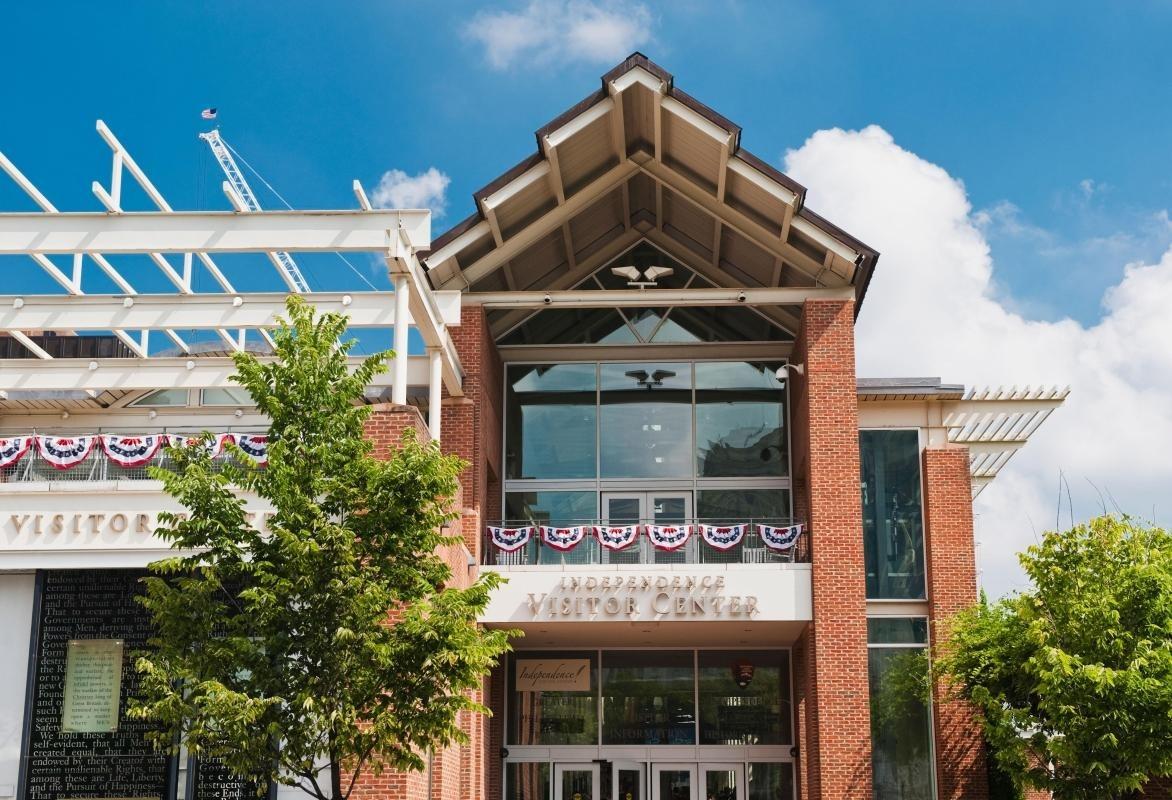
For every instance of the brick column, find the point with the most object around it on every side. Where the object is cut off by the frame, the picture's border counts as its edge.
(835, 752)
(961, 767)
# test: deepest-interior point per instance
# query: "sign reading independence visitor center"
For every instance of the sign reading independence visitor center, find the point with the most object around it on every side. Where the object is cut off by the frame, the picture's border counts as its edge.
(635, 596)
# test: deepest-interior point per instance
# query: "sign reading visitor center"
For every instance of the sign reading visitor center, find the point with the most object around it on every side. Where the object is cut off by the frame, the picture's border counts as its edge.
(641, 596)
(548, 675)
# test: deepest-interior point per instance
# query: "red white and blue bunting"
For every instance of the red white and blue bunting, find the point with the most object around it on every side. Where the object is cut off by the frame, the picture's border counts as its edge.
(564, 538)
(510, 539)
(213, 445)
(779, 538)
(13, 449)
(131, 451)
(668, 537)
(255, 447)
(64, 452)
(616, 537)
(723, 537)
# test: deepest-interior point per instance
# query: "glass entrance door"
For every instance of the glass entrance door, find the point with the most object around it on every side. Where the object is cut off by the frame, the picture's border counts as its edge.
(575, 782)
(659, 507)
(722, 781)
(628, 781)
(673, 782)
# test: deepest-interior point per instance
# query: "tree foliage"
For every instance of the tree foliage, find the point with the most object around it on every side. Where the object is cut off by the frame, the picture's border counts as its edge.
(273, 650)
(1074, 677)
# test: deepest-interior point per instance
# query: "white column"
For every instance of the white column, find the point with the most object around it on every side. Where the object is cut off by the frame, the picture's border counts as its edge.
(402, 315)
(435, 391)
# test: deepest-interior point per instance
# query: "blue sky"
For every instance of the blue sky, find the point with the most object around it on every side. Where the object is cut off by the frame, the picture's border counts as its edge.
(1011, 161)
(1054, 115)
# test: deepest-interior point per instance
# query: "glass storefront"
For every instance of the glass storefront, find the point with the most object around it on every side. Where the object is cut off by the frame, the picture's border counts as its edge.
(901, 718)
(893, 521)
(649, 697)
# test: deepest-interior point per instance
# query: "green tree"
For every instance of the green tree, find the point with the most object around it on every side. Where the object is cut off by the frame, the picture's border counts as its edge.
(273, 652)
(1074, 677)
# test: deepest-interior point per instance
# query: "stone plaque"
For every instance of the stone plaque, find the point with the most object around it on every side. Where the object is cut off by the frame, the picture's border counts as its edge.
(93, 686)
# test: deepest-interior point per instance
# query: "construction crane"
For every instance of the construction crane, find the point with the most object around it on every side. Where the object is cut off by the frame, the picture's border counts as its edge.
(243, 196)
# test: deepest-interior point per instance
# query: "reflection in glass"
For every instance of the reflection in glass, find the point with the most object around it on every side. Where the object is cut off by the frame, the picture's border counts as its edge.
(630, 784)
(554, 717)
(720, 784)
(577, 784)
(645, 427)
(551, 421)
(675, 784)
(901, 752)
(771, 782)
(897, 630)
(551, 508)
(648, 697)
(527, 781)
(730, 505)
(893, 530)
(744, 697)
(740, 421)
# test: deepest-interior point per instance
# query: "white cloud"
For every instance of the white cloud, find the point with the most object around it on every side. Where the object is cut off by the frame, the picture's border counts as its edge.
(552, 31)
(397, 189)
(933, 309)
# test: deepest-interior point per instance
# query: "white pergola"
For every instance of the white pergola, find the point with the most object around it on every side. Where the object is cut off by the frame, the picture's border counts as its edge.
(175, 241)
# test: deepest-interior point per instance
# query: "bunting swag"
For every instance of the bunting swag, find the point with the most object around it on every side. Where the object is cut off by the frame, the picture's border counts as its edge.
(131, 451)
(723, 537)
(779, 538)
(255, 447)
(214, 446)
(510, 539)
(616, 537)
(64, 452)
(564, 538)
(668, 537)
(13, 449)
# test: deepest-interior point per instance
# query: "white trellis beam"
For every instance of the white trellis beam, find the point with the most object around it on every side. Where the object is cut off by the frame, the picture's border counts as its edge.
(210, 232)
(132, 374)
(199, 311)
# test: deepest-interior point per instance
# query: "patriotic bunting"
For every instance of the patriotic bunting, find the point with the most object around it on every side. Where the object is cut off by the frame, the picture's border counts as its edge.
(13, 449)
(723, 537)
(131, 451)
(779, 538)
(668, 537)
(255, 447)
(564, 538)
(64, 452)
(510, 539)
(213, 446)
(616, 537)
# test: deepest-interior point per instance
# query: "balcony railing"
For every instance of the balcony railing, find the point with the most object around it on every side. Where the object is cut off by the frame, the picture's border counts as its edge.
(750, 549)
(34, 468)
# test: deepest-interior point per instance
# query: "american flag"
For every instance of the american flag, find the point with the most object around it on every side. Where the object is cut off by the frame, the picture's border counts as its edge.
(208, 113)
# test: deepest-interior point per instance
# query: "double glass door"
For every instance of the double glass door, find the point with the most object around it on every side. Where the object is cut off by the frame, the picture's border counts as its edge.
(661, 507)
(628, 781)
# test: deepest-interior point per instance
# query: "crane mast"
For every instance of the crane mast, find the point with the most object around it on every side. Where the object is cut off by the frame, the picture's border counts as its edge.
(283, 261)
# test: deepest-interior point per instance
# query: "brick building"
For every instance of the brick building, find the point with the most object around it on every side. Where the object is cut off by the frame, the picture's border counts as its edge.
(724, 548)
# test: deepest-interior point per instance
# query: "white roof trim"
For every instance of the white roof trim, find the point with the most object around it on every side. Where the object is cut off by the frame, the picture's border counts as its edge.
(695, 120)
(578, 123)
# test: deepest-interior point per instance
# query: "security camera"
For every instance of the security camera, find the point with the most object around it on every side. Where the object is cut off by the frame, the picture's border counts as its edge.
(741, 297)
(784, 370)
(547, 300)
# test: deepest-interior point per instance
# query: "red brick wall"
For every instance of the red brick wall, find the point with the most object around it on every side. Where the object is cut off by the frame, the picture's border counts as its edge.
(835, 759)
(961, 770)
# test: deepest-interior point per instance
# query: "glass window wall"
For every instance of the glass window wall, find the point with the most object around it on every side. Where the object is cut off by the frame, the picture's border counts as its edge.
(901, 718)
(893, 522)
(740, 421)
(771, 782)
(645, 428)
(551, 425)
(527, 781)
(648, 697)
(744, 697)
(549, 716)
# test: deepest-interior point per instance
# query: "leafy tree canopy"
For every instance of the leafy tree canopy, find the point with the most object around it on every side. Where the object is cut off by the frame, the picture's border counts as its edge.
(280, 636)
(1074, 677)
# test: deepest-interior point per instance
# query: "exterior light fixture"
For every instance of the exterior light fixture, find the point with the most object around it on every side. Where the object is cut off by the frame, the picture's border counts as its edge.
(238, 413)
(650, 275)
(127, 302)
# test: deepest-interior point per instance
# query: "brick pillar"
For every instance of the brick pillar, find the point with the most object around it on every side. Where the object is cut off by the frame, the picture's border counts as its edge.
(835, 756)
(961, 767)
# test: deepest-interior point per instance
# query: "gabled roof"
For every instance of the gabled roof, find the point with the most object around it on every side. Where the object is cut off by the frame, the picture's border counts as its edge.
(641, 160)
